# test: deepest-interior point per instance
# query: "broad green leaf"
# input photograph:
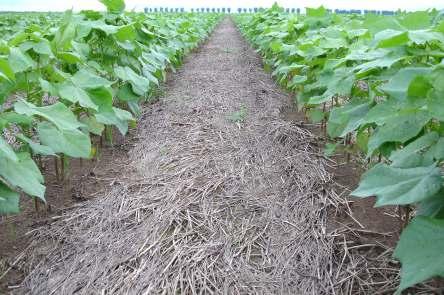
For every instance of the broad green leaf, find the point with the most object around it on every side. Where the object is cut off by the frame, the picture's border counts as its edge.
(36, 148)
(6, 71)
(432, 207)
(316, 12)
(435, 101)
(73, 143)
(416, 20)
(69, 57)
(13, 117)
(139, 83)
(380, 63)
(346, 119)
(43, 48)
(399, 186)
(88, 80)
(410, 156)
(65, 33)
(125, 33)
(114, 6)
(316, 115)
(436, 151)
(398, 85)
(19, 61)
(391, 38)
(422, 37)
(106, 113)
(420, 251)
(125, 93)
(75, 94)
(6, 151)
(399, 128)
(23, 174)
(57, 113)
(9, 200)
(94, 127)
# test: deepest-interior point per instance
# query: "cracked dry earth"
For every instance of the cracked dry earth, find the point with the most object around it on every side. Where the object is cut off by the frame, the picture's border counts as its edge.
(222, 196)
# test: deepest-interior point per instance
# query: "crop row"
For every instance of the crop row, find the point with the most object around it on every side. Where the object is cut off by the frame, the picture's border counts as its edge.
(377, 82)
(70, 76)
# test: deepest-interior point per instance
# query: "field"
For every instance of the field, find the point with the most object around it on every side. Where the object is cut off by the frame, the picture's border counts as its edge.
(209, 153)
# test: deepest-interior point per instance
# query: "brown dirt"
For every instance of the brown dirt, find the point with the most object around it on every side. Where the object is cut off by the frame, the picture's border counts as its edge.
(382, 224)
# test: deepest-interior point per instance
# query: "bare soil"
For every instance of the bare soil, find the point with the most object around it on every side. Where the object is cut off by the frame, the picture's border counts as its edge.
(223, 191)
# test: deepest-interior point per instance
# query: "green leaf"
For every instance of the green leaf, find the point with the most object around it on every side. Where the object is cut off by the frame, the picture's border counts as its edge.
(346, 119)
(126, 33)
(398, 85)
(75, 94)
(94, 127)
(422, 37)
(399, 186)
(139, 83)
(432, 207)
(19, 61)
(73, 143)
(125, 93)
(316, 12)
(6, 151)
(106, 114)
(6, 71)
(435, 101)
(88, 80)
(43, 48)
(57, 113)
(9, 200)
(69, 57)
(23, 174)
(114, 6)
(36, 148)
(420, 251)
(316, 115)
(391, 38)
(409, 156)
(416, 20)
(401, 127)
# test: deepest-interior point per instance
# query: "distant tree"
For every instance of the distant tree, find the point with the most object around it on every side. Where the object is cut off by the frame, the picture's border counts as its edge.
(255, 9)
(223, 9)
(218, 10)
(182, 9)
(229, 10)
(161, 9)
(245, 10)
(155, 9)
(192, 9)
(208, 9)
(239, 10)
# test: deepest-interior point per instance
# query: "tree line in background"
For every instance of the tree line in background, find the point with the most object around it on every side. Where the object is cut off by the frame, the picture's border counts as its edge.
(258, 9)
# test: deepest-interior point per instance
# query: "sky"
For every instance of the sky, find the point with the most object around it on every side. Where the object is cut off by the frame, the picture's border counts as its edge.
(138, 5)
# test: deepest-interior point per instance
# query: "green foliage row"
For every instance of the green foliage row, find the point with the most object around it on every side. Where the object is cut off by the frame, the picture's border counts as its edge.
(64, 77)
(379, 81)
